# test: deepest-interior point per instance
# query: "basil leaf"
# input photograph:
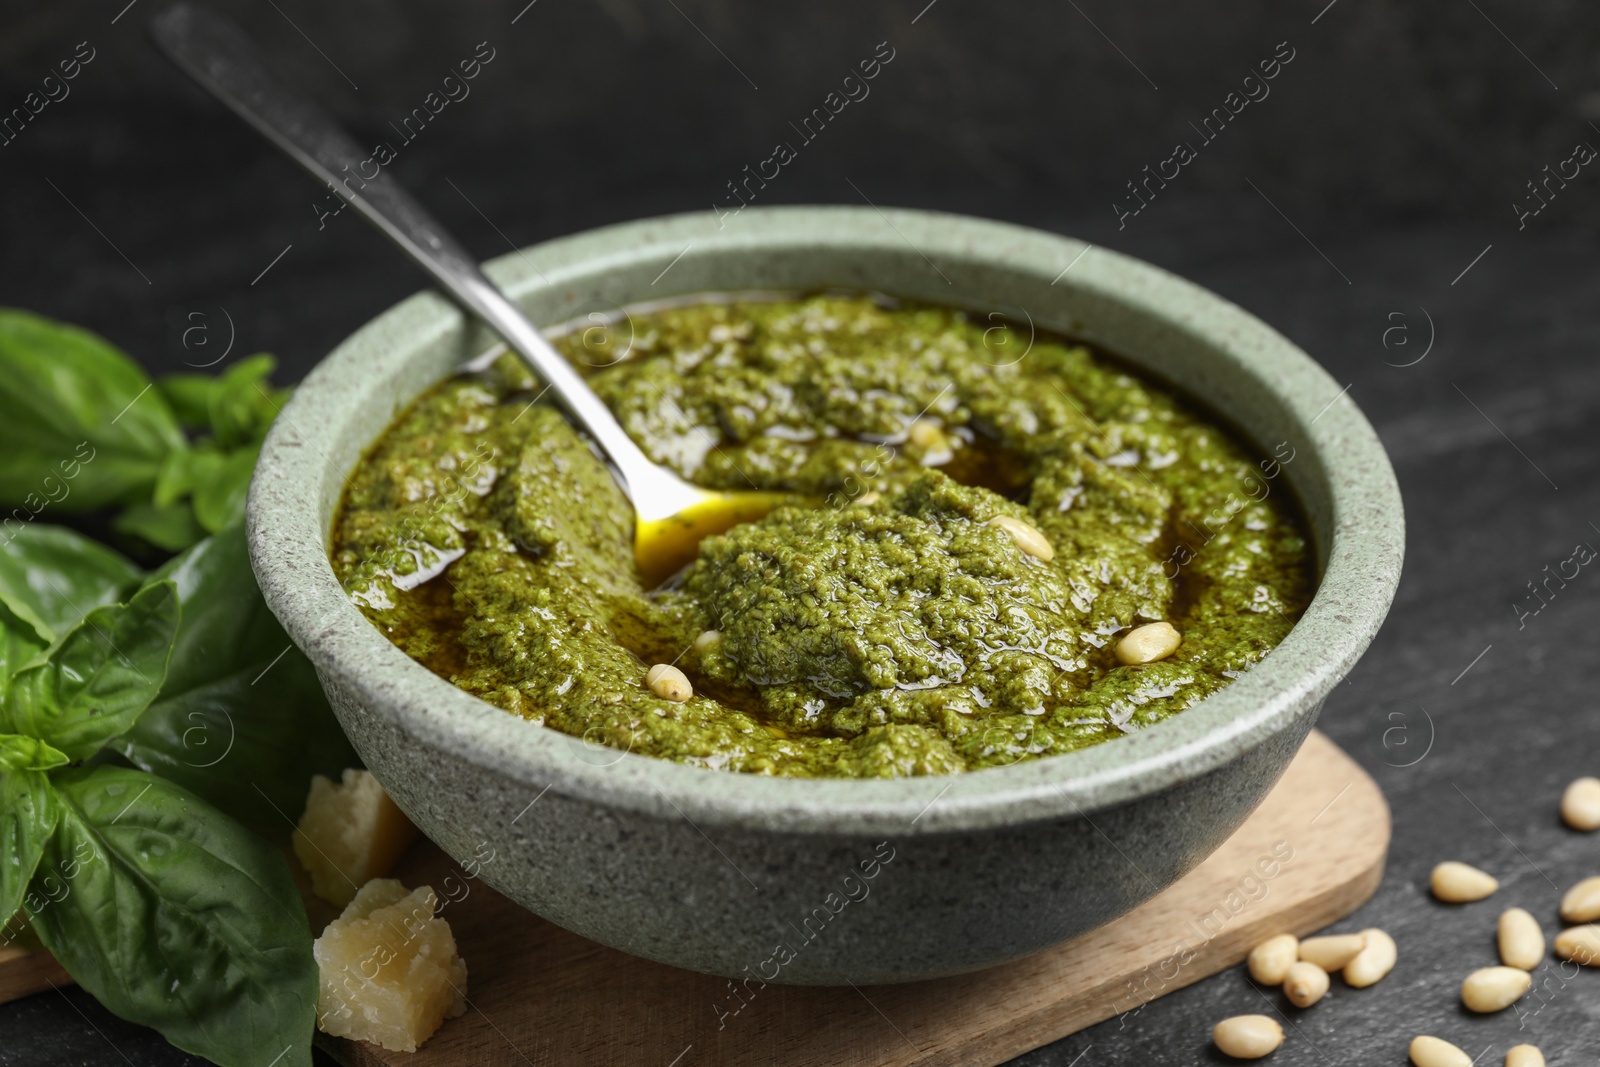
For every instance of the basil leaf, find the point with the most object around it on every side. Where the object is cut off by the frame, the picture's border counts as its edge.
(51, 577)
(27, 818)
(184, 469)
(70, 401)
(242, 719)
(180, 919)
(189, 397)
(173, 527)
(236, 406)
(19, 752)
(18, 933)
(93, 683)
(19, 644)
(219, 501)
(242, 406)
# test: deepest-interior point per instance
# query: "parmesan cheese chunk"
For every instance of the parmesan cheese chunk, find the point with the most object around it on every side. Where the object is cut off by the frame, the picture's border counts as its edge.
(350, 833)
(390, 973)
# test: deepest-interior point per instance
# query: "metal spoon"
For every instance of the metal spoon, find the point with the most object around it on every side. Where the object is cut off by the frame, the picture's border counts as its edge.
(671, 515)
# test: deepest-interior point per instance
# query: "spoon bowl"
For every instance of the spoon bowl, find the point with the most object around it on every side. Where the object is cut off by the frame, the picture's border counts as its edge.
(665, 544)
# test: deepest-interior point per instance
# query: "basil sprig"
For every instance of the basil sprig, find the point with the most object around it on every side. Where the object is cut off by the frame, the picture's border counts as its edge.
(153, 897)
(83, 427)
(157, 885)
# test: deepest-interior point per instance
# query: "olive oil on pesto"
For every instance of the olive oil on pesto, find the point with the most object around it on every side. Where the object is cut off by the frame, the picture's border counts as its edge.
(880, 626)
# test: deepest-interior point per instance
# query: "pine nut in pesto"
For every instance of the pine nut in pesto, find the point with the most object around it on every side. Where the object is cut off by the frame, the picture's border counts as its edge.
(669, 683)
(885, 623)
(1148, 643)
(1027, 538)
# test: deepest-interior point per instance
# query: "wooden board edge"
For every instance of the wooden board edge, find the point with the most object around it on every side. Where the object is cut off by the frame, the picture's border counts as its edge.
(26, 971)
(1228, 950)
(341, 1051)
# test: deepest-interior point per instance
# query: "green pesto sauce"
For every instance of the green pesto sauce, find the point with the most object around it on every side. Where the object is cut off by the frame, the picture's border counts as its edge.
(880, 626)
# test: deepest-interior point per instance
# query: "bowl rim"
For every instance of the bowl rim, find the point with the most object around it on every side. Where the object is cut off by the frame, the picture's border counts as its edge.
(1361, 572)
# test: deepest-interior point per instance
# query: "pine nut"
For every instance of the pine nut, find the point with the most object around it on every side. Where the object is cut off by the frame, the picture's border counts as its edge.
(1028, 539)
(1581, 903)
(871, 496)
(669, 683)
(1247, 1037)
(1521, 939)
(1270, 961)
(1331, 953)
(925, 434)
(1494, 988)
(1148, 643)
(1580, 804)
(1305, 984)
(707, 640)
(1524, 1056)
(1432, 1052)
(1373, 962)
(1457, 883)
(1580, 944)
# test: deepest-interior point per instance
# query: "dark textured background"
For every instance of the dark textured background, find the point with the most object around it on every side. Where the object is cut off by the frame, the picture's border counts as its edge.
(1397, 142)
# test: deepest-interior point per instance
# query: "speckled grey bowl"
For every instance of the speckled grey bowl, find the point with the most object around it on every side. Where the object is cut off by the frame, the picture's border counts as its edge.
(769, 878)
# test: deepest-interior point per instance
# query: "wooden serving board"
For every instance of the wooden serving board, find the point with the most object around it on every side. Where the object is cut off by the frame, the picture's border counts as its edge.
(541, 995)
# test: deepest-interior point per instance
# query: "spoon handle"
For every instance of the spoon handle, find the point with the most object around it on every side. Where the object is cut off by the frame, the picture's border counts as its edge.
(218, 55)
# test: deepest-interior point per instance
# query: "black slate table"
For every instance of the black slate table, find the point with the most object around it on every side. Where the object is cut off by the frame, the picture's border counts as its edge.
(1365, 217)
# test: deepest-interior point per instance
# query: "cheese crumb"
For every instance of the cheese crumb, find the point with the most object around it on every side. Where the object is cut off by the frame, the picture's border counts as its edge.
(350, 833)
(390, 973)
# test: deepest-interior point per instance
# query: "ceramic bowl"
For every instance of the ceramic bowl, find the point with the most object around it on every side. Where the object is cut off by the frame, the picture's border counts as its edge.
(833, 881)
